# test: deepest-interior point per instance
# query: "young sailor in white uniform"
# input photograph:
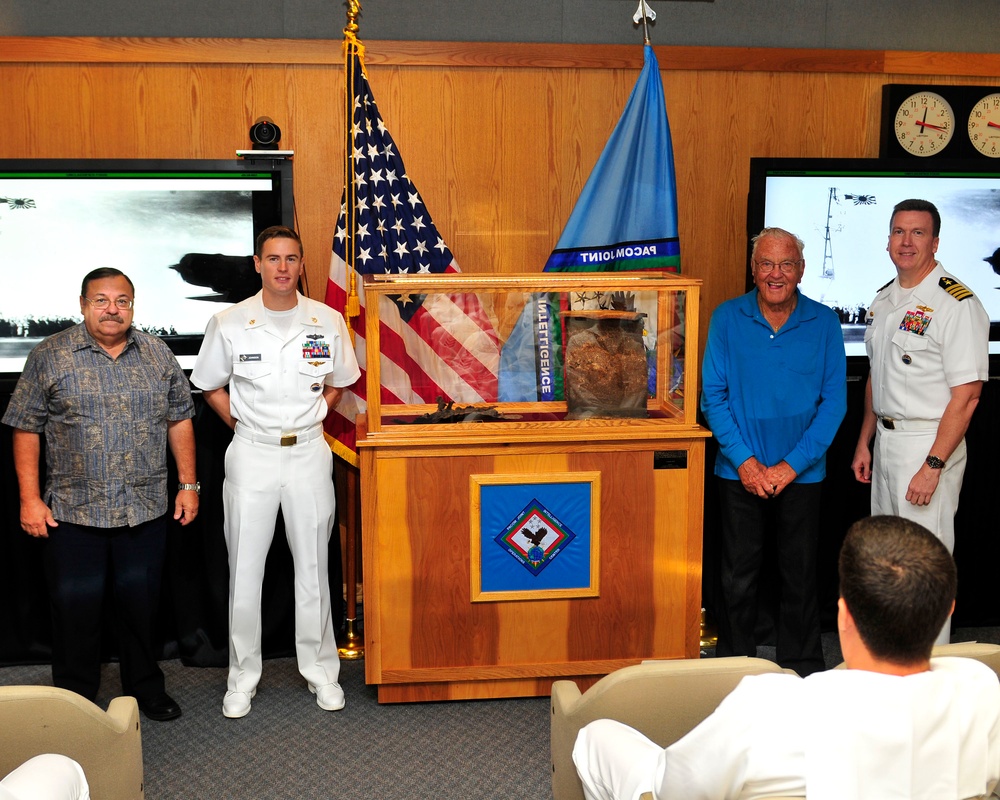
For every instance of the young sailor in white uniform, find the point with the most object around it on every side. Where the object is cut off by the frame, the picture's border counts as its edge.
(285, 359)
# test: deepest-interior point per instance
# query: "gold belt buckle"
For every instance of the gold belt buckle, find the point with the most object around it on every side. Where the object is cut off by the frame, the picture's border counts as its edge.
(289, 439)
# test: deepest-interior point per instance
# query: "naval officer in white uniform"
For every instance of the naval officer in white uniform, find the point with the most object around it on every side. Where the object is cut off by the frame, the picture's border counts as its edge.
(285, 359)
(927, 339)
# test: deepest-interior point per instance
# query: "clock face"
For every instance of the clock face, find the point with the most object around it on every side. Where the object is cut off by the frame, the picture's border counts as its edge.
(984, 125)
(924, 124)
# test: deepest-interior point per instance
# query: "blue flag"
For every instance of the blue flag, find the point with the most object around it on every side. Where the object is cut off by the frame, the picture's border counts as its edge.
(626, 216)
(625, 219)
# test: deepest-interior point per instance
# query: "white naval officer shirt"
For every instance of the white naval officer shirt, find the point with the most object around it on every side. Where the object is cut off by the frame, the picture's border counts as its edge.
(844, 735)
(922, 344)
(276, 379)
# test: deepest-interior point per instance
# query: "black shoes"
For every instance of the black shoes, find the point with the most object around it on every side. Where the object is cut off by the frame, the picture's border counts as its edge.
(160, 707)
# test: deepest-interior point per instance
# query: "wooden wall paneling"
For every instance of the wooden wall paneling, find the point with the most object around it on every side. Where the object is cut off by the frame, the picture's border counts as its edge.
(499, 138)
(545, 55)
(310, 113)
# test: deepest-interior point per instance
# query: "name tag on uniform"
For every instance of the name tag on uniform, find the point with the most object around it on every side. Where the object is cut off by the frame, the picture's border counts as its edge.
(249, 356)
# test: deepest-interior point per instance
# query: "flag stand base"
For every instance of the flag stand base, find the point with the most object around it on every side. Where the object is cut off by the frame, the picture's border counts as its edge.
(354, 646)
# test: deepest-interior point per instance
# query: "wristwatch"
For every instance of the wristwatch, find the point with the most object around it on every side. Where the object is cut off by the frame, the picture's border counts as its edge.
(193, 487)
(934, 462)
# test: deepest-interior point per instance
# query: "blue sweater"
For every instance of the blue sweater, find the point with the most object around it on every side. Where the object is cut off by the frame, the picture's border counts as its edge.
(777, 396)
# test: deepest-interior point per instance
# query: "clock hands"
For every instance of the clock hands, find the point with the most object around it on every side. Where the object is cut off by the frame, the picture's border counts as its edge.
(929, 125)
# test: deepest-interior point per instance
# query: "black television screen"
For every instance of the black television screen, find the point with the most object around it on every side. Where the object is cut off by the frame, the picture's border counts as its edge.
(183, 231)
(841, 209)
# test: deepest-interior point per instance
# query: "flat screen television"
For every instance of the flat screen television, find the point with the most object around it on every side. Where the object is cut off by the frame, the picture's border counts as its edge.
(841, 209)
(182, 230)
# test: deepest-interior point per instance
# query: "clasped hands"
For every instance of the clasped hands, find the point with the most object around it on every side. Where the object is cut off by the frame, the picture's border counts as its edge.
(764, 481)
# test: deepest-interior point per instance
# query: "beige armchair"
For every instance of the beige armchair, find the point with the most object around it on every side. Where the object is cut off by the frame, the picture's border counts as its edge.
(989, 654)
(661, 699)
(108, 745)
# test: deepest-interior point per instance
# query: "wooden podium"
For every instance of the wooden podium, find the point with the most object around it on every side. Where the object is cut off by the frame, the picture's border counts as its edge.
(552, 543)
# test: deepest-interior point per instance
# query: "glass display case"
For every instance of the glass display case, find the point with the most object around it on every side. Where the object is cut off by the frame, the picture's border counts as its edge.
(531, 469)
(513, 353)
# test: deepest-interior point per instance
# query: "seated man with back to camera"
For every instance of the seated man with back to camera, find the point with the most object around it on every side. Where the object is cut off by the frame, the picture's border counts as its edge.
(895, 723)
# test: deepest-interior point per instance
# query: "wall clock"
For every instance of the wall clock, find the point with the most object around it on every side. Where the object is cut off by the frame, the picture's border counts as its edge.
(984, 125)
(947, 122)
(924, 124)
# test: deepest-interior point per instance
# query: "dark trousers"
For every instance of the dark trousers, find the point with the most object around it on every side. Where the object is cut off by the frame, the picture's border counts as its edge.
(794, 517)
(78, 562)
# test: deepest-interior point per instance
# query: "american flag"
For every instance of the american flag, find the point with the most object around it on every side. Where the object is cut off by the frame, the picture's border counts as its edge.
(433, 345)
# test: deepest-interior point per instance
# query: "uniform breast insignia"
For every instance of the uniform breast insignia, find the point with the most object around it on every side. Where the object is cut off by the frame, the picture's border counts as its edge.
(316, 387)
(915, 322)
(954, 288)
(249, 357)
(318, 349)
(315, 363)
(870, 318)
(314, 336)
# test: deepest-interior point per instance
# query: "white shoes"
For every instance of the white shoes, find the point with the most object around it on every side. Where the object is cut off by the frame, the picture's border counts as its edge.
(329, 697)
(237, 704)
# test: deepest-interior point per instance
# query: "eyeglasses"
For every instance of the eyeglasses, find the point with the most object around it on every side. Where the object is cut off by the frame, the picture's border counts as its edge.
(786, 267)
(101, 303)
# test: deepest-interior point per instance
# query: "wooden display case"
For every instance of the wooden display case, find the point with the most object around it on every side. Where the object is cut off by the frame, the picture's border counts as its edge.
(542, 520)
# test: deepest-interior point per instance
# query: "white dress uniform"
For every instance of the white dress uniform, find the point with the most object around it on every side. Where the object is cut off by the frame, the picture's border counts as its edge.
(844, 734)
(278, 457)
(921, 342)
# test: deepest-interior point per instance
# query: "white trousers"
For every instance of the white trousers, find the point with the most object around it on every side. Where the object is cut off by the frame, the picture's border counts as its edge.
(897, 457)
(46, 777)
(614, 761)
(260, 478)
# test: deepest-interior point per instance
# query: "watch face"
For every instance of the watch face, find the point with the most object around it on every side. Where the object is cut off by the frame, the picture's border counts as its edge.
(924, 124)
(984, 125)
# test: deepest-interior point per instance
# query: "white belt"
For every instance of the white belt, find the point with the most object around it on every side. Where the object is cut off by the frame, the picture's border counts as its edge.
(891, 424)
(279, 440)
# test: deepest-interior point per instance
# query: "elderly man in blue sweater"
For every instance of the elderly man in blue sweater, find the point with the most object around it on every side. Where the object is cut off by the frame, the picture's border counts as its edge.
(774, 394)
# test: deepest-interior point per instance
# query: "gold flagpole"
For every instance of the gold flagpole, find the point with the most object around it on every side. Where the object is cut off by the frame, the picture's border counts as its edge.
(352, 47)
(353, 647)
